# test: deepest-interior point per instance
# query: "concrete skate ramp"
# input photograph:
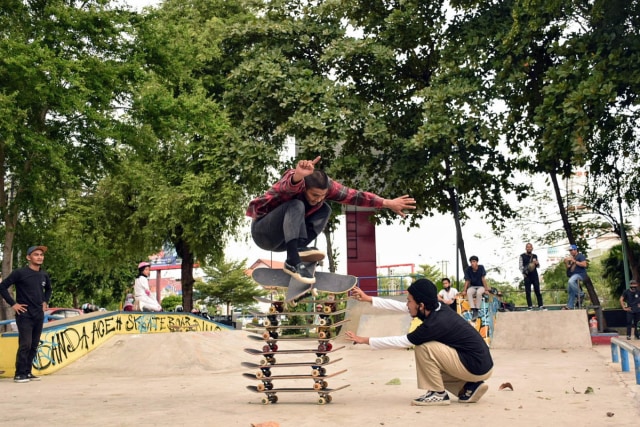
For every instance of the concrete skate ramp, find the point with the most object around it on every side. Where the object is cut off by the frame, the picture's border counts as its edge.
(367, 321)
(554, 329)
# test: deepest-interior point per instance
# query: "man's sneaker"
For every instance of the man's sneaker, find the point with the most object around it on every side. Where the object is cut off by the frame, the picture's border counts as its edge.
(32, 377)
(20, 379)
(529, 308)
(629, 337)
(300, 272)
(472, 392)
(432, 398)
(542, 308)
(310, 254)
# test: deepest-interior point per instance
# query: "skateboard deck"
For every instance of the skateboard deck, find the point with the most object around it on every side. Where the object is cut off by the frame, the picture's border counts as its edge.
(322, 312)
(286, 338)
(321, 324)
(325, 282)
(324, 396)
(312, 365)
(314, 375)
(255, 352)
(269, 354)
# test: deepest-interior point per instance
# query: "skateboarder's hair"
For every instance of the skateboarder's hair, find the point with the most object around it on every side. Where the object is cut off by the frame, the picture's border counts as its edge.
(424, 291)
(318, 179)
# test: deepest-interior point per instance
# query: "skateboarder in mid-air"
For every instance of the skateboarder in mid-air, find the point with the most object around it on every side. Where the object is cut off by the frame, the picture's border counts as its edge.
(293, 212)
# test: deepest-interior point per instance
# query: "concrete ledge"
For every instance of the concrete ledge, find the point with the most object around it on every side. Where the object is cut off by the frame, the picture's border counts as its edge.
(527, 330)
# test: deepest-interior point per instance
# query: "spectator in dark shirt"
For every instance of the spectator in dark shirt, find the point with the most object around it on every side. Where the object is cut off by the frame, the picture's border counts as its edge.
(33, 291)
(630, 302)
(293, 212)
(475, 285)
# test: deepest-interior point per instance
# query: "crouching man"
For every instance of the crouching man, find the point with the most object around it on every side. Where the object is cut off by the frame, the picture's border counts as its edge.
(450, 354)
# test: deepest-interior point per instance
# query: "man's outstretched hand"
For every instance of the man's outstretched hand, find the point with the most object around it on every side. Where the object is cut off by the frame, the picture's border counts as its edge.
(399, 204)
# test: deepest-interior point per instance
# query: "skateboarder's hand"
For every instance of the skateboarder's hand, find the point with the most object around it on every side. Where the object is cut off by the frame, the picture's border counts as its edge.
(306, 167)
(358, 294)
(399, 204)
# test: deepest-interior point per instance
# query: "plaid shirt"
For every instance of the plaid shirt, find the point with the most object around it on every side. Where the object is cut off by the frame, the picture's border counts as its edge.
(285, 190)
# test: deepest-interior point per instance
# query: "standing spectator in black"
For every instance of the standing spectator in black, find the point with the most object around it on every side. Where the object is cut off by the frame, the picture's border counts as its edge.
(33, 291)
(529, 267)
(475, 284)
(630, 302)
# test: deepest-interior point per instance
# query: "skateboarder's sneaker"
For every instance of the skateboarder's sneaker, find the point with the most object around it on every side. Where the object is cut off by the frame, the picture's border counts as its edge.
(310, 254)
(472, 392)
(432, 398)
(20, 379)
(300, 272)
(32, 377)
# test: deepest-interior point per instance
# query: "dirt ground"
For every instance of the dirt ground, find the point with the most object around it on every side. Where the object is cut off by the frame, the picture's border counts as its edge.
(185, 378)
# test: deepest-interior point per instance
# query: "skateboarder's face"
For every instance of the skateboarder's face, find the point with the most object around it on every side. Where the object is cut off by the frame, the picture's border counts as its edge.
(315, 195)
(412, 305)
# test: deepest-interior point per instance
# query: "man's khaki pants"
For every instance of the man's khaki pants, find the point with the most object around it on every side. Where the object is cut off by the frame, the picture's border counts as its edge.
(439, 368)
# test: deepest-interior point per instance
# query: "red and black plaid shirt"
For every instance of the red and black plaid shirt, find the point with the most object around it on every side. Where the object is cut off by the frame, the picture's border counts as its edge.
(285, 190)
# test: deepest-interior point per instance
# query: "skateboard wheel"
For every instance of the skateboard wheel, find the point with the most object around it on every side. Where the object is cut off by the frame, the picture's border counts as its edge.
(327, 309)
(325, 359)
(266, 322)
(322, 334)
(265, 400)
(261, 387)
(268, 385)
(266, 336)
(319, 360)
(316, 373)
(274, 399)
(260, 375)
(317, 386)
(266, 348)
(322, 347)
(328, 398)
(273, 346)
(271, 360)
(324, 384)
(272, 309)
(322, 401)
(264, 362)
(328, 346)
(322, 322)
(323, 372)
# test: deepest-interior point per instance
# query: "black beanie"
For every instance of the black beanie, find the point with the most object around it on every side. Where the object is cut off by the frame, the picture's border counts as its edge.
(424, 291)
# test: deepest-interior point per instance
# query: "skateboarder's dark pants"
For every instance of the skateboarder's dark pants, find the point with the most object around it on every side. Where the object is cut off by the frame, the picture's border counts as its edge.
(29, 326)
(287, 222)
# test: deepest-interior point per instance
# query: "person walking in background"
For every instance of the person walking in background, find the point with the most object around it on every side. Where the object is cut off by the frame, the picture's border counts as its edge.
(293, 212)
(576, 264)
(33, 291)
(475, 285)
(448, 294)
(450, 354)
(630, 302)
(142, 291)
(529, 267)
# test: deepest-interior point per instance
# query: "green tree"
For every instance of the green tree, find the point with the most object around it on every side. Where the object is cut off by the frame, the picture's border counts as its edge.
(202, 170)
(613, 268)
(227, 283)
(64, 68)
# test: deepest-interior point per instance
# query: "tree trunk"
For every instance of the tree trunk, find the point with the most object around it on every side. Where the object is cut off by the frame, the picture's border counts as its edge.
(330, 254)
(186, 273)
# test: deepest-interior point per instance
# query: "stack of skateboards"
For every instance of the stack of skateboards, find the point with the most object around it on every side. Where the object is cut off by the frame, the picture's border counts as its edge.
(275, 366)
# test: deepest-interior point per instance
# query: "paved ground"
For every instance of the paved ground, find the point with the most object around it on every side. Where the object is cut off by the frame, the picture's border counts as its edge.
(195, 377)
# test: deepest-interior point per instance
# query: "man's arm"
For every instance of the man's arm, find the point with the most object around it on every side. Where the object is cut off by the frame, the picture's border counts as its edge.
(521, 263)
